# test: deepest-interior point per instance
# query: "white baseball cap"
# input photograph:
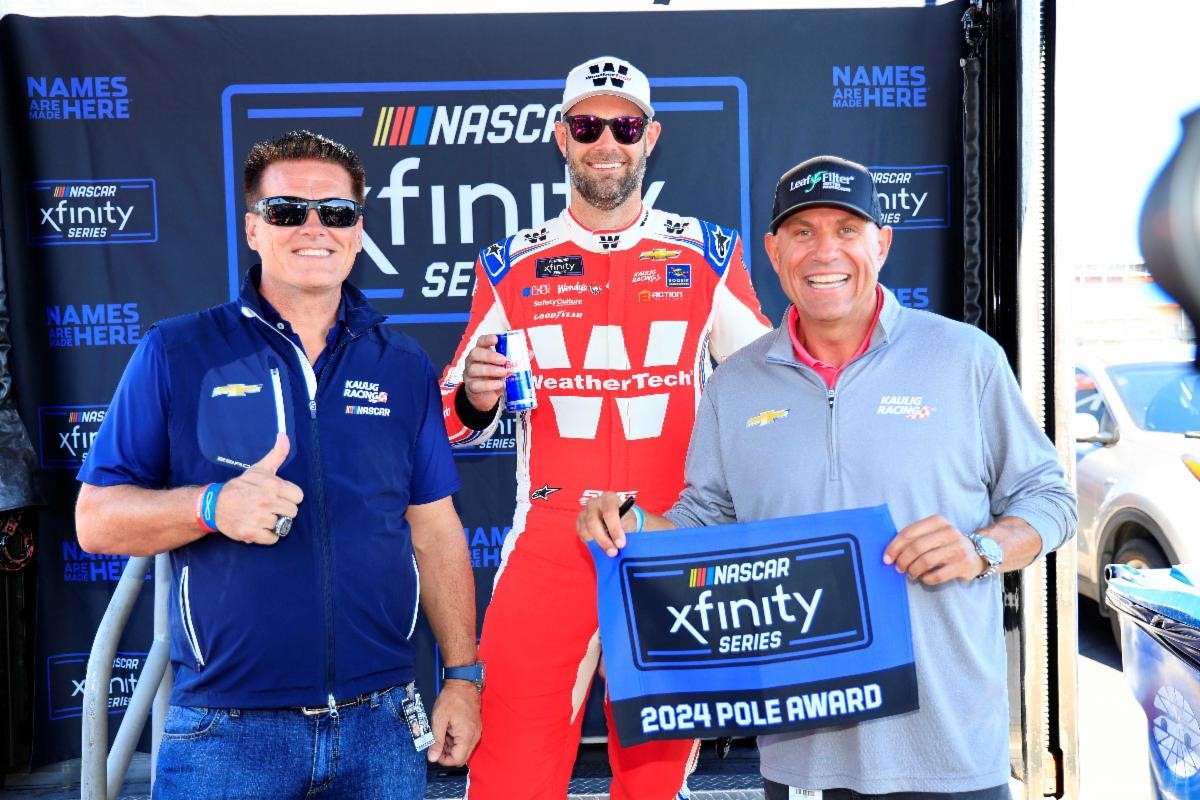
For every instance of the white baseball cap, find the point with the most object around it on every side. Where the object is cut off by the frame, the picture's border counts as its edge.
(607, 75)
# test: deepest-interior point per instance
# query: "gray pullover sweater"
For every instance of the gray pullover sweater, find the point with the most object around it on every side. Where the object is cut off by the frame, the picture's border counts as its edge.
(929, 420)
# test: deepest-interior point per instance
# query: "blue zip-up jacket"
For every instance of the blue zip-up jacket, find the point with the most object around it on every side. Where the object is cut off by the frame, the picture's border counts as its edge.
(329, 610)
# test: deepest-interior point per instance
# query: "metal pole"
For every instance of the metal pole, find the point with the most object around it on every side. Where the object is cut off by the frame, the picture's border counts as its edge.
(134, 720)
(162, 596)
(92, 778)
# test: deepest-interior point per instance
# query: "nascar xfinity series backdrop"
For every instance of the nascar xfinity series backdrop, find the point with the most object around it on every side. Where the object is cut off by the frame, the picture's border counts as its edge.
(120, 163)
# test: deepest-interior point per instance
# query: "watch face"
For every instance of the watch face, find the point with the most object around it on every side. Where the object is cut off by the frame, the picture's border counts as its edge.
(989, 549)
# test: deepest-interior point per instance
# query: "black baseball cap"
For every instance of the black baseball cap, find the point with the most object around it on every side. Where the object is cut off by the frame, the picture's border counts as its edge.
(826, 181)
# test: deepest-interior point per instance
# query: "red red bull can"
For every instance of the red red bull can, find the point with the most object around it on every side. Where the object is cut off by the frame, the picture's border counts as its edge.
(519, 394)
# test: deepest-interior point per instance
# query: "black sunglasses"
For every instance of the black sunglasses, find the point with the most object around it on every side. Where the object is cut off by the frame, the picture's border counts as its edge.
(587, 128)
(290, 212)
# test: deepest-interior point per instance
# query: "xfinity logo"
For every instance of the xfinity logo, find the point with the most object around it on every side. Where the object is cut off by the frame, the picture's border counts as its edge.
(779, 602)
(66, 433)
(67, 681)
(915, 196)
(114, 211)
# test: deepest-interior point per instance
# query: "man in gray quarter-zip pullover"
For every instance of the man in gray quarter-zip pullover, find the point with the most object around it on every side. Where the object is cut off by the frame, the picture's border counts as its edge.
(857, 401)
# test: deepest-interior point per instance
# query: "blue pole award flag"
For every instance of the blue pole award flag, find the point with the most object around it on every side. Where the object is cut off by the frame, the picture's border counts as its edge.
(759, 627)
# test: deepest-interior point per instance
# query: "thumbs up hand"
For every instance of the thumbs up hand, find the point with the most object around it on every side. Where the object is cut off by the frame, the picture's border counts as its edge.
(249, 505)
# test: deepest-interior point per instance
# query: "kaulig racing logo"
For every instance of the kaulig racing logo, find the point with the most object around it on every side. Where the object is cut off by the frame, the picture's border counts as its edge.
(755, 606)
(66, 433)
(112, 211)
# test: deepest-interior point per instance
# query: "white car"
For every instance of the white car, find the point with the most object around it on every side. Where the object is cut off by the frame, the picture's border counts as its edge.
(1137, 433)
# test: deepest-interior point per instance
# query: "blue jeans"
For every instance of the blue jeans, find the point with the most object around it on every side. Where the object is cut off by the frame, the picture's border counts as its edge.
(365, 752)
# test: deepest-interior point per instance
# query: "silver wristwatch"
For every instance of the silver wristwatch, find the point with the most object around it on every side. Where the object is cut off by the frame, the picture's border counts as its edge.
(989, 550)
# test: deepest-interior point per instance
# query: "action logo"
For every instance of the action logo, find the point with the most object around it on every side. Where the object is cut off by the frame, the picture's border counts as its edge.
(58, 97)
(879, 86)
(97, 325)
(111, 211)
(66, 433)
(67, 681)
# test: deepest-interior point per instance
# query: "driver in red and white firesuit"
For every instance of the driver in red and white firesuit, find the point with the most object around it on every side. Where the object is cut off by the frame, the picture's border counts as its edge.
(625, 307)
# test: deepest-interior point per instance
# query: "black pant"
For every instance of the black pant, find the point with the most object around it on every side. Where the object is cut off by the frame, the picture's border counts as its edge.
(777, 791)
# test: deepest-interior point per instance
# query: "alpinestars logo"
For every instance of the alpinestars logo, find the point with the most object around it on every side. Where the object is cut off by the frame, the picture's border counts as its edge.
(608, 73)
(642, 414)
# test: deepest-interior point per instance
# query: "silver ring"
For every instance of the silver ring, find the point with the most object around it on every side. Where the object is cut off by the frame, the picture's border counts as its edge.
(282, 526)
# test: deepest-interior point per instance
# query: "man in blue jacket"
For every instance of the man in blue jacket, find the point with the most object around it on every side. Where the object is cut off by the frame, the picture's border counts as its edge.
(288, 450)
(859, 401)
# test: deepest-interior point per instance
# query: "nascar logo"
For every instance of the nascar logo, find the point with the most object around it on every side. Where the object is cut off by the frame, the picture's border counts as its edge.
(398, 126)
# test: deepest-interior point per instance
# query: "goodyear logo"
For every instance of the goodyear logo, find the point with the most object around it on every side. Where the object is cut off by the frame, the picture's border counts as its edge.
(236, 389)
(416, 126)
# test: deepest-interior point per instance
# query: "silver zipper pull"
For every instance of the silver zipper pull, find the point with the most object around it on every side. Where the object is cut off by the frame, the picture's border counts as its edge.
(333, 712)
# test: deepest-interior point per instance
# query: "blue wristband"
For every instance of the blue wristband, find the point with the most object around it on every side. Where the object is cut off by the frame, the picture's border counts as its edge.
(640, 516)
(207, 512)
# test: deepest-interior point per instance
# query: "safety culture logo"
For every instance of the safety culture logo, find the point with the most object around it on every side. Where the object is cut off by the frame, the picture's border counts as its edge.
(455, 166)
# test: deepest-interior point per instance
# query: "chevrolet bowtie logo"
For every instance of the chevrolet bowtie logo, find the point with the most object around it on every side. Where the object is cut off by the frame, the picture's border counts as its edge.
(766, 418)
(661, 254)
(237, 389)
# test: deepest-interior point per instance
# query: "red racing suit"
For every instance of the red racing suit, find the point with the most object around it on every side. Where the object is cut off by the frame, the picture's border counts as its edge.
(621, 328)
